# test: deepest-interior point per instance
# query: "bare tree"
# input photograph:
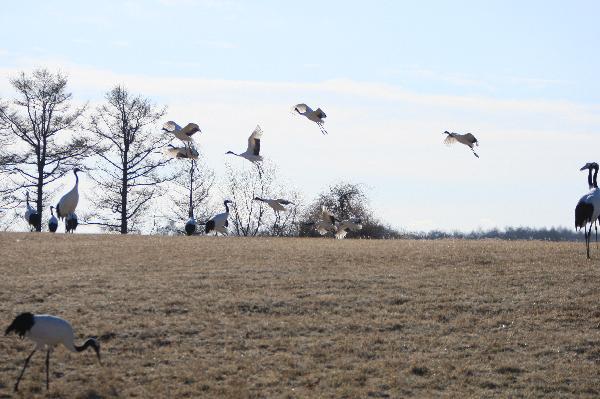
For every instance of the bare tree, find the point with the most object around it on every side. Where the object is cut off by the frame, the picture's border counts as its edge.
(191, 189)
(130, 168)
(251, 218)
(39, 131)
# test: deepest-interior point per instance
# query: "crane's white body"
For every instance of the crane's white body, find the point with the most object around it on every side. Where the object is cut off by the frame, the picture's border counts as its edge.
(220, 222)
(49, 331)
(182, 133)
(343, 227)
(592, 198)
(68, 202)
(317, 116)
(278, 205)
(181, 152)
(252, 153)
(467, 139)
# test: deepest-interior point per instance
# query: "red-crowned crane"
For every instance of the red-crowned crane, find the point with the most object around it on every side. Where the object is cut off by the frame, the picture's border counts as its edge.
(71, 223)
(47, 332)
(326, 222)
(181, 152)
(53, 221)
(317, 116)
(278, 205)
(588, 207)
(183, 134)
(68, 202)
(31, 215)
(190, 225)
(467, 139)
(343, 227)
(252, 153)
(220, 222)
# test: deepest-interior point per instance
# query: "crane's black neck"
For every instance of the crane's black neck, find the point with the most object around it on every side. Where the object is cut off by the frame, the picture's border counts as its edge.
(51, 211)
(226, 206)
(595, 181)
(590, 183)
(76, 177)
(89, 342)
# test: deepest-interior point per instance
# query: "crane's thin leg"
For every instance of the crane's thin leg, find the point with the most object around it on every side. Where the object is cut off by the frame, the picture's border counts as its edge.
(322, 128)
(23, 371)
(589, 236)
(585, 235)
(596, 229)
(474, 153)
(48, 370)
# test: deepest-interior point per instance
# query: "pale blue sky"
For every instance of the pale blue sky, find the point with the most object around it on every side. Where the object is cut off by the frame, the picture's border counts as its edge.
(391, 75)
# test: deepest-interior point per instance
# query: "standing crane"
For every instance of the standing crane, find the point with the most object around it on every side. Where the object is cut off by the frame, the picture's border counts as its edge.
(588, 207)
(68, 202)
(47, 332)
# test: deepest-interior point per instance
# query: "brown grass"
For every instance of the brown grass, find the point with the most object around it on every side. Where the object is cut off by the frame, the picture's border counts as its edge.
(231, 317)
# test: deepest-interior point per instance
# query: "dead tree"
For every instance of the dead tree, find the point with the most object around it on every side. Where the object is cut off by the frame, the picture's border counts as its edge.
(41, 137)
(130, 166)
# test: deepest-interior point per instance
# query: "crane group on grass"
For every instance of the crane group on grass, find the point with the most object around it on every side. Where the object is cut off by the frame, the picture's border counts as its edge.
(65, 209)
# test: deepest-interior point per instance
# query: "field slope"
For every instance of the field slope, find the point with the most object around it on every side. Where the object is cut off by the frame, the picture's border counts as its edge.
(232, 317)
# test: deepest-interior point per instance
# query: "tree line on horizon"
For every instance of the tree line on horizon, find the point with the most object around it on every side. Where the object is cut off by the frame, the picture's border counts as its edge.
(119, 143)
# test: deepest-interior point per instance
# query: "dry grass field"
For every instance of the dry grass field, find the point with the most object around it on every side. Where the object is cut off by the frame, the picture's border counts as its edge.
(230, 317)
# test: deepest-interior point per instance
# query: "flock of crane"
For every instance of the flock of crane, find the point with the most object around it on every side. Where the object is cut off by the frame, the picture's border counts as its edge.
(327, 222)
(49, 331)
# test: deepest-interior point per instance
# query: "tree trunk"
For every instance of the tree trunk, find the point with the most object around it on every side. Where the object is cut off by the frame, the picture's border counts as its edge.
(191, 210)
(39, 195)
(38, 200)
(124, 206)
(124, 194)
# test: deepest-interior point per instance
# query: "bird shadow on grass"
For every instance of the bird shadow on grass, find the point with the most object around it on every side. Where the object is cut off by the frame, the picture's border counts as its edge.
(91, 394)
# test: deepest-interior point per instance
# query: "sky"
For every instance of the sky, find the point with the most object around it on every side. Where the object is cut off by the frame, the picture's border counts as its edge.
(391, 76)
